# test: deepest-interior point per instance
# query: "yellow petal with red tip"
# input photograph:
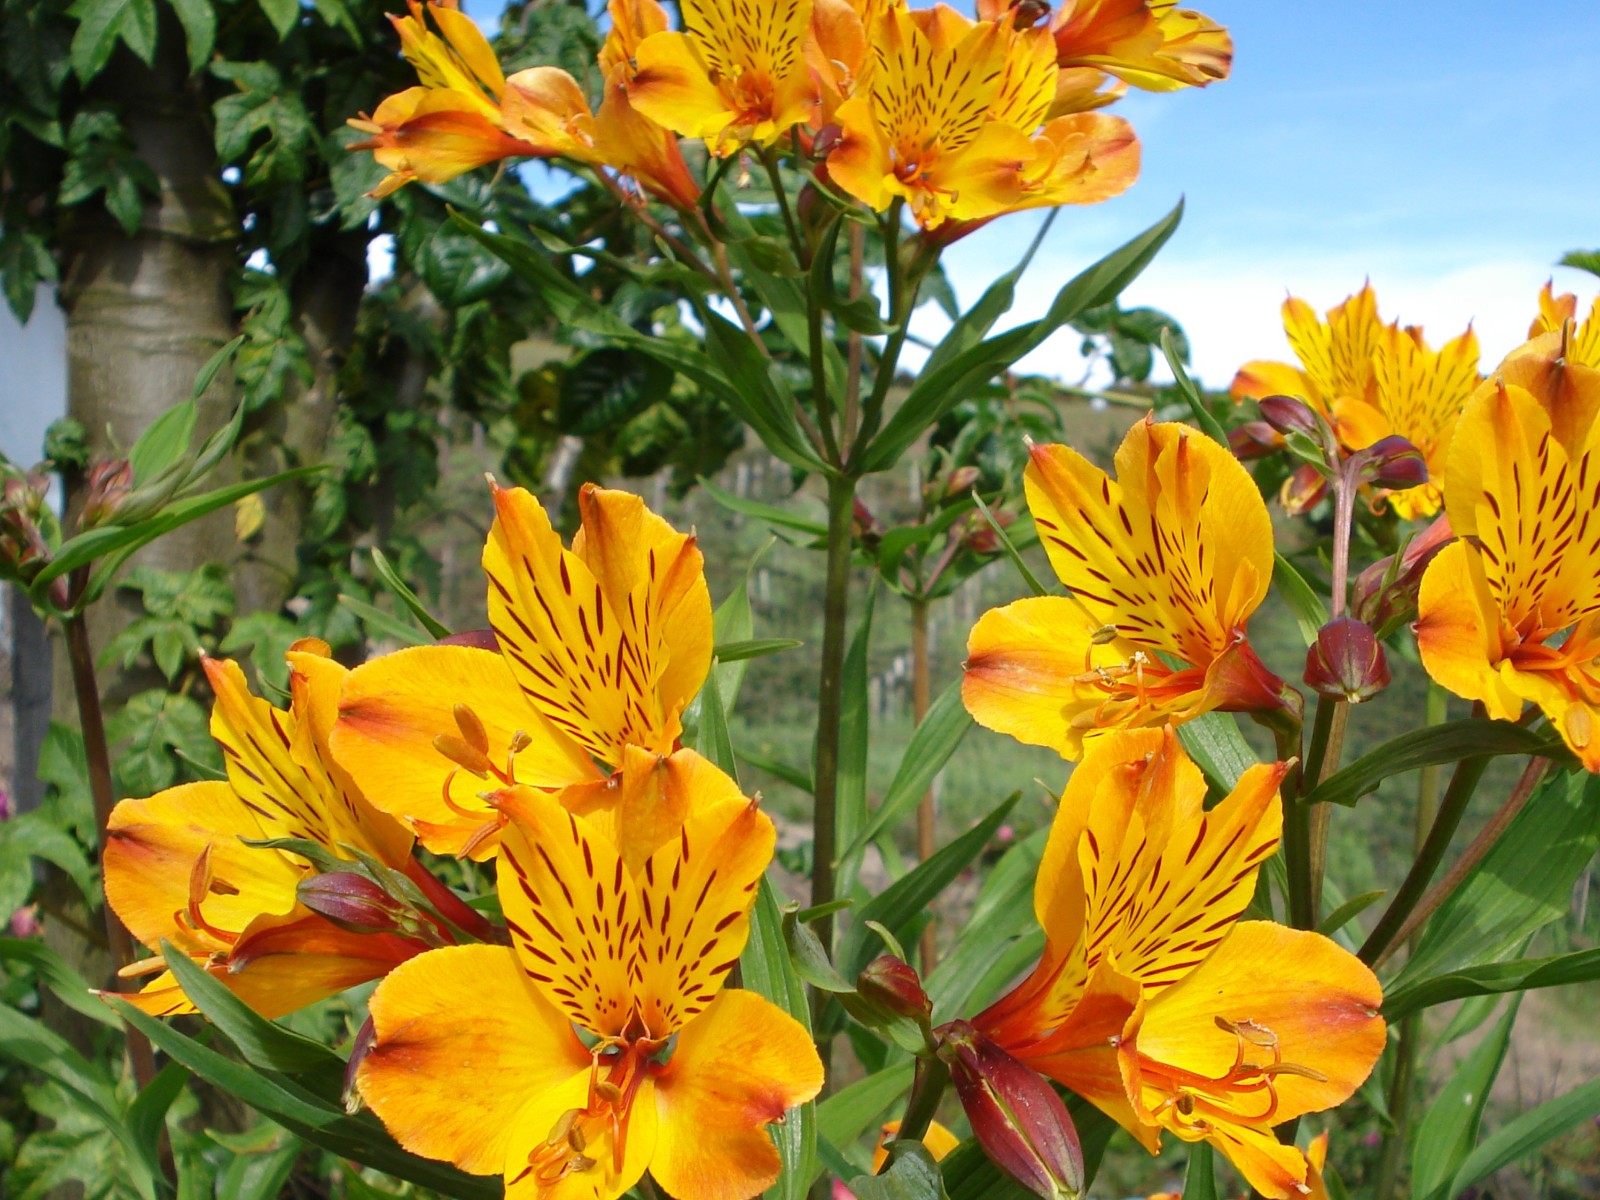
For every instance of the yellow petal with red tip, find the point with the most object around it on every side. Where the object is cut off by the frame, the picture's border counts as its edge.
(153, 846)
(1457, 631)
(461, 1043)
(629, 141)
(1260, 378)
(545, 107)
(736, 1068)
(672, 86)
(274, 987)
(393, 707)
(1317, 1000)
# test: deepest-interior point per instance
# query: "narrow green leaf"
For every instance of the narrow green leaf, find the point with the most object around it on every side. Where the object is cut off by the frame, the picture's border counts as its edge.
(392, 581)
(1203, 417)
(1218, 748)
(909, 896)
(851, 1111)
(1003, 910)
(1010, 548)
(1434, 744)
(930, 747)
(163, 442)
(1348, 911)
(147, 1114)
(732, 623)
(1310, 614)
(793, 776)
(809, 958)
(769, 514)
(855, 721)
(972, 326)
(53, 971)
(1522, 1136)
(1449, 1126)
(938, 391)
(730, 652)
(1492, 979)
(382, 624)
(711, 737)
(262, 1043)
(1200, 1181)
(766, 969)
(1523, 883)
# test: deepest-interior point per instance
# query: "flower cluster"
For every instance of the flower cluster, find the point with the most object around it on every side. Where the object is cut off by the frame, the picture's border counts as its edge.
(960, 119)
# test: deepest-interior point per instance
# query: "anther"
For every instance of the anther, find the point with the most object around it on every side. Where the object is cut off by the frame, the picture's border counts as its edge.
(472, 730)
(467, 757)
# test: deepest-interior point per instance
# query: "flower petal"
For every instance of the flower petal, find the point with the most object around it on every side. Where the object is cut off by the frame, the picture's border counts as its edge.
(737, 1067)
(1458, 634)
(463, 1044)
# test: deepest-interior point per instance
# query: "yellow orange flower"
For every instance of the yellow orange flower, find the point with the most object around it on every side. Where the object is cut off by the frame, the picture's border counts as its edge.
(1583, 344)
(594, 650)
(948, 120)
(1165, 564)
(477, 1055)
(939, 1141)
(1335, 356)
(1152, 1000)
(1510, 613)
(735, 75)
(177, 869)
(432, 135)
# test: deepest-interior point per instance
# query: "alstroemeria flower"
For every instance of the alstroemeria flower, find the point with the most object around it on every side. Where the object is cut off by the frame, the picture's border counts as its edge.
(177, 869)
(734, 76)
(947, 118)
(1152, 1000)
(1165, 564)
(602, 1044)
(1510, 613)
(597, 648)
(1583, 345)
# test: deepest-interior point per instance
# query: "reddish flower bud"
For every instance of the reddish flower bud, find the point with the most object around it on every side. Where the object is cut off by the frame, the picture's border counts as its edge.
(1303, 490)
(1016, 1115)
(110, 481)
(889, 984)
(1385, 594)
(864, 526)
(1393, 462)
(981, 537)
(961, 481)
(1347, 661)
(356, 903)
(1254, 439)
(1288, 415)
(826, 139)
(366, 1038)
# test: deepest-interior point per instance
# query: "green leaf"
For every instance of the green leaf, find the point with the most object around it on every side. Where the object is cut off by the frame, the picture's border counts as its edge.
(391, 580)
(909, 896)
(1218, 748)
(1200, 1181)
(1491, 979)
(1310, 614)
(767, 970)
(606, 388)
(284, 15)
(969, 1175)
(793, 776)
(1520, 1137)
(381, 624)
(809, 958)
(261, 1042)
(938, 391)
(1010, 548)
(153, 728)
(1434, 744)
(317, 1121)
(1523, 884)
(457, 270)
(264, 126)
(1584, 260)
(32, 836)
(163, 443)
(711, 737)
(102, 24)
(969, 328)
(855, 724)
(148, 1113)
(913, 1175)
(261, 1173)
(199, 21)
(1203, 416)
(54, 972)
(1002, 911)
(769, 514)
(729, 652)
(1348, 911)
(930, 747)
(851, 1111)
(1449, 1127)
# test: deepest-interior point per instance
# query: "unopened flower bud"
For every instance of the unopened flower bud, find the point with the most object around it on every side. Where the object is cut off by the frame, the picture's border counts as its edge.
(1385, 594)
(1393, 462)
(981, 537)
(1254, 439)
(1025, 14)
(1016, 1115)
(825, 140)
(366, 1039)
(1303, 490)
(961, 481)
(889, 984)
(864, 526)
(1347, 661)
(354, 902)
(110, 481)
(1288, 415)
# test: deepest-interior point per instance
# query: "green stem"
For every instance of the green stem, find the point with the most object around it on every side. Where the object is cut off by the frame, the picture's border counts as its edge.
(927, 1089)
(902, 297)
(921, 695)
(1296, 827)
(1394, 1145)
(1321, 816)
(830, 688)
(97, 755)
(1385, 935)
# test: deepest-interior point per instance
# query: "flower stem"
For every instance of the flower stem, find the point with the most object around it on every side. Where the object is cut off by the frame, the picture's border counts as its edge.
(926, 840)
(1385, 935)
(927, 1089)
(830, 687)
(1327, 758)
(97, 755)
(1405, 1067)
